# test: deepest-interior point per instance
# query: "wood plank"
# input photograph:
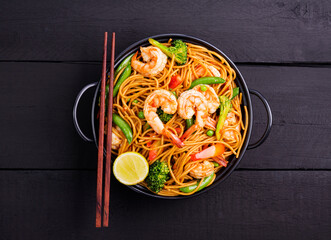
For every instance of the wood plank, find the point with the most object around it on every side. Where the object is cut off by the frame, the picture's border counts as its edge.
(249, 205)
(38, 116)
(248, 31)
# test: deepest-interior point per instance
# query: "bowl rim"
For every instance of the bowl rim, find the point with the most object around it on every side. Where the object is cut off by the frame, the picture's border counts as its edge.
(226, 172)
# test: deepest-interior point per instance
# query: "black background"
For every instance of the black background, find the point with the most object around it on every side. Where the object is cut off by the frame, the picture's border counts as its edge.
(49, 50)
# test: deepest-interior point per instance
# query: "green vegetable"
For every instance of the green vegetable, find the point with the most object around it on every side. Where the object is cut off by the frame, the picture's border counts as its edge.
(216, 164)
(207, 80)
(135, 101)
(210, 133)
(124, 126)
(141, 115)
(157, 176)
(235, 92)
(123, 64)
(178, 49)
(203, 88)
(165, 117)
(174, 93)
(128, 100)
(224, 110)
(126, 73)
(189, 122)
(204, 183)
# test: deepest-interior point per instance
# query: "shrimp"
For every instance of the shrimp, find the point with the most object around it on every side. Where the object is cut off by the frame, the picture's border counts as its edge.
(116, 141)
(168, 102)
(154, 61)
(213, 101)
(202, 169)
(189, 103)
(231, 120)
(201, 71)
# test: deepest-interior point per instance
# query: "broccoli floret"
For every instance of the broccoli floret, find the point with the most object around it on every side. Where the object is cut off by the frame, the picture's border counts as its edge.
(178, 49)
(165, 117)
(157, 176)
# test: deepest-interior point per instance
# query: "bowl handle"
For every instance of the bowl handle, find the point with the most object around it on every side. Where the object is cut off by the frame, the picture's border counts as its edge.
(269, 124)
(74, 111)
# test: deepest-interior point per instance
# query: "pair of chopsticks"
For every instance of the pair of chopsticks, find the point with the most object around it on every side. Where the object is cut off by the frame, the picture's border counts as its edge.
(101, 137)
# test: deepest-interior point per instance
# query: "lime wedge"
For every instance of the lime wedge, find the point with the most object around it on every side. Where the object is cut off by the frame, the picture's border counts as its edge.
(130, 168)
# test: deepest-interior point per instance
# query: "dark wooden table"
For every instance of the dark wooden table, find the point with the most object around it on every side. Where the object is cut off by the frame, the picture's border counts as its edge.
(50, 49)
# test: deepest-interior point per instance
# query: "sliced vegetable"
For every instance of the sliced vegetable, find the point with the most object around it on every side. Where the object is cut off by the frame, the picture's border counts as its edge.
(135, 101)
(224, 110)
(141, 115)
(178, 130)
(126, 73)
(204, 183)
(175, 81)
(124, 126)
(235, 92)
(207, 80)
(155, 151)
(212, 151)
(210, 133)
(178, 50)
(123, 64)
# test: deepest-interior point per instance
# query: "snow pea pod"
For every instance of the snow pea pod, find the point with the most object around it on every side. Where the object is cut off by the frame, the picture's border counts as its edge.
(124, 126)
(235, 92)
(207, 80)
(204, 183)
(123, 64)
(126, 73)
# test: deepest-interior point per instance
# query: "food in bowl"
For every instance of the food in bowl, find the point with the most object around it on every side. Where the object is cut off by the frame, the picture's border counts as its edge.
(177, 104)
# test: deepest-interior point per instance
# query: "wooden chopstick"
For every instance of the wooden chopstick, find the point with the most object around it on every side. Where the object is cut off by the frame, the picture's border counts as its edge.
(101, 136)
(109, 136)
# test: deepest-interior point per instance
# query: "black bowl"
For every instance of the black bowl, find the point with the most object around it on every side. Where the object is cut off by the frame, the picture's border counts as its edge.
(233, 161)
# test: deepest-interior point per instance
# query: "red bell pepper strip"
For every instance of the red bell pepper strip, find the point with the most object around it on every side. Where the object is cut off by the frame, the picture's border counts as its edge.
(175, 81)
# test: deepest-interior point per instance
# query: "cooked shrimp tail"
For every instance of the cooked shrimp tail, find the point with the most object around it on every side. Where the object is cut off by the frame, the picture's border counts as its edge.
(189, 132)
(174, 139)
(211, 123)
(220, 160)
(134, 57)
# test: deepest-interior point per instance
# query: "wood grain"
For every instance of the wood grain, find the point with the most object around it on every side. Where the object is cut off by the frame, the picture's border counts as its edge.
(249, 205)
(298, 97)
(248, 31)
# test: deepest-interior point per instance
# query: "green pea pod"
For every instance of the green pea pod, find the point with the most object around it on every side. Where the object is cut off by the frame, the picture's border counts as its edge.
(235, 92)
(123, 64)
(189, 123)
(126, 73)
(207, 80)
(204, 183)
(124, 126)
